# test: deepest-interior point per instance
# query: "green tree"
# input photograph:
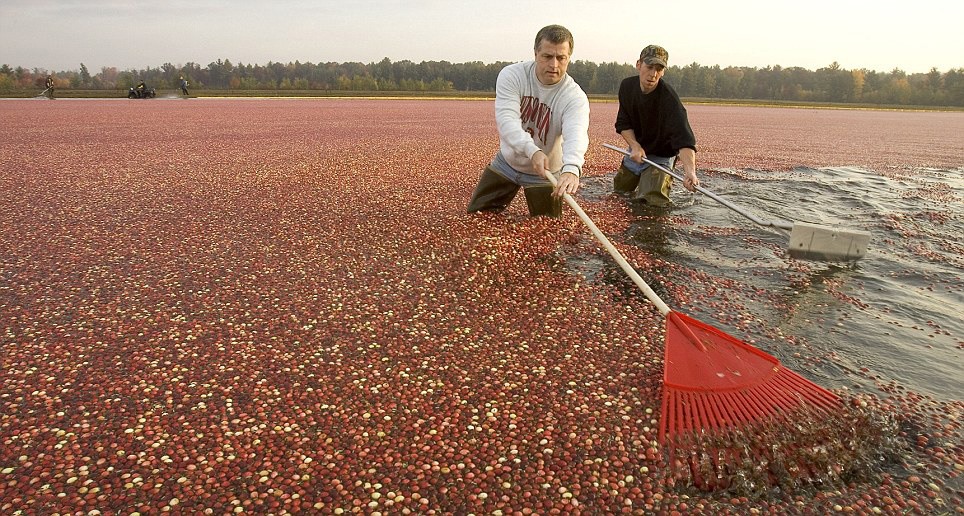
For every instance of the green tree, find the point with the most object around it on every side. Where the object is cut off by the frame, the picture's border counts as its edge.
(607, 78)
(84, 76)
(582, 72)
(954, 87)
(383, 70)
(933, 80)
(125, 80)
(708, 82)
(364, 83)
(685, 79)
(730, 81)
(440, 84)
(6, 78)
(834, 84)
(897, 90)
(386, 85)
(412, 85)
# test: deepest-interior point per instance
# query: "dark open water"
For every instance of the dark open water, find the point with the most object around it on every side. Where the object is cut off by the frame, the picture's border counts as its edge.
(894, 316)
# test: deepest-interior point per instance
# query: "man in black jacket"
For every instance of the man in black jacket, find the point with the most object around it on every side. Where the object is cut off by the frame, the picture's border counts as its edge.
(654, 124)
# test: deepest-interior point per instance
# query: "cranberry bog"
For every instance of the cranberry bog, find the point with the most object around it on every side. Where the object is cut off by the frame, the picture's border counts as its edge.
(266, 305)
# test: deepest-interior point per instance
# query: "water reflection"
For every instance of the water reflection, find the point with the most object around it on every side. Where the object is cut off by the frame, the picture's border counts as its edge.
(651, 229)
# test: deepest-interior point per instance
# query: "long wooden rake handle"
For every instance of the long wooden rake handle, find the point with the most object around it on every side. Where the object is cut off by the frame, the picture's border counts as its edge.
(663, 308)
(766, 223)
(628, 269)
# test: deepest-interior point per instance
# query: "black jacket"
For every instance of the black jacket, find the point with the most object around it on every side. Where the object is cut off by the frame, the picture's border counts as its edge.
(658, 119)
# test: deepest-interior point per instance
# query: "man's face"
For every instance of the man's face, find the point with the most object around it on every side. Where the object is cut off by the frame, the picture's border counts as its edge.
(649, 76)
(552, 60)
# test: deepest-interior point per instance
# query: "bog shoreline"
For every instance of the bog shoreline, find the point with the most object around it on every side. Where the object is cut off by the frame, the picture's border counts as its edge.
(459, 95)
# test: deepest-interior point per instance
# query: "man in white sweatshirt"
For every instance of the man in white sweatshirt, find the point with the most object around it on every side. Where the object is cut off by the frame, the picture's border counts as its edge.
(543, 121)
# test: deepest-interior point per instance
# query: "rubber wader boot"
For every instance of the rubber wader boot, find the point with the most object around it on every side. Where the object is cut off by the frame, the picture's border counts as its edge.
(625, 181)
(541, 202)
(653, 188)
(493, 193)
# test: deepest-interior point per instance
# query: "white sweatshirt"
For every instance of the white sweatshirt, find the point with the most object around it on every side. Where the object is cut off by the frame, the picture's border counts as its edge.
(532, 117)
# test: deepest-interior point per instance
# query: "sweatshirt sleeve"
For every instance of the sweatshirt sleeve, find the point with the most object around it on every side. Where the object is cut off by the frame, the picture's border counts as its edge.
(508, 114)
(575, 133)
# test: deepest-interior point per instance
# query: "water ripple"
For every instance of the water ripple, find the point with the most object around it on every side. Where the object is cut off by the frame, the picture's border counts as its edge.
(895, 315)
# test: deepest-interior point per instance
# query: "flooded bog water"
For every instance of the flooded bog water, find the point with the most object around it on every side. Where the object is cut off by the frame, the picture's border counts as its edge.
(893, 316)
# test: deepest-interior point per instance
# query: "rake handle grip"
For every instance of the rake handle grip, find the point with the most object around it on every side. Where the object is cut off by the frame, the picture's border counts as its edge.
(766, 223)
(626, 267)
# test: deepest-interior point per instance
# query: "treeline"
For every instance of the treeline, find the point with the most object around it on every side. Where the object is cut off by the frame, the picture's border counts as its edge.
(829, 84)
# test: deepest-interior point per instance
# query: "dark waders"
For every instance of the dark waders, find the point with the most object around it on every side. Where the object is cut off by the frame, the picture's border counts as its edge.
(652, 186)
(495, 192)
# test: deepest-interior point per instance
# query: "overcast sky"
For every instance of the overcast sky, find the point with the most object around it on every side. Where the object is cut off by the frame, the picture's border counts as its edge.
(876, 35)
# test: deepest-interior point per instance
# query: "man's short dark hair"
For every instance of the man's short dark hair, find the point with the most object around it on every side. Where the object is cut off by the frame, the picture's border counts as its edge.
(555, 34)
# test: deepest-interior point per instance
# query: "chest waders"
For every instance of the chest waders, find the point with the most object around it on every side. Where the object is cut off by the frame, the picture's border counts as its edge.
(494, 193)
(652, 186)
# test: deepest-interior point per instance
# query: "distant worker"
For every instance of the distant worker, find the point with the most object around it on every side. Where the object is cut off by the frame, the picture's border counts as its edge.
(542, 117)
(184, 86)
(653, 121)
(50, 87)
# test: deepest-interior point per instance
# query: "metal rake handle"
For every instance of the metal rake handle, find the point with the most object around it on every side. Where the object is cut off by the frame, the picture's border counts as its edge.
(766, 223)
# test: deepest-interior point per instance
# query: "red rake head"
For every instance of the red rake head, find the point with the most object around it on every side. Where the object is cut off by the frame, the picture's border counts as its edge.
(720, 382)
